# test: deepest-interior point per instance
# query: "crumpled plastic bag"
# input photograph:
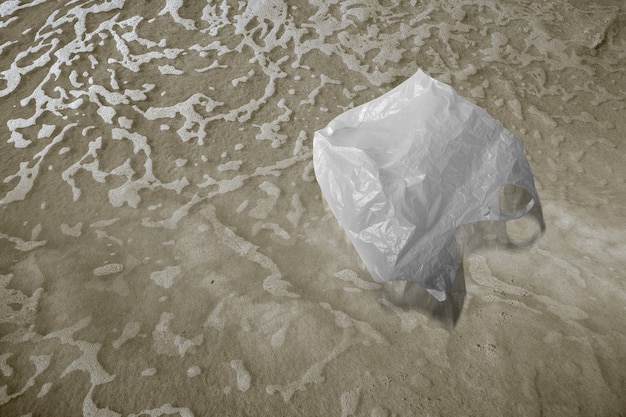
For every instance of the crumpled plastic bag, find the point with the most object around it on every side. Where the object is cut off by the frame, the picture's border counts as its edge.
(402, 172)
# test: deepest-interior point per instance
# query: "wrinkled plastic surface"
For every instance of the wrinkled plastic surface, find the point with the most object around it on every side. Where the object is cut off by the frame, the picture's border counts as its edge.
(402, 172)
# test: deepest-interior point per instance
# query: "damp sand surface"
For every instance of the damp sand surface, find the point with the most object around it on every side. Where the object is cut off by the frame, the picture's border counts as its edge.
(165, 250)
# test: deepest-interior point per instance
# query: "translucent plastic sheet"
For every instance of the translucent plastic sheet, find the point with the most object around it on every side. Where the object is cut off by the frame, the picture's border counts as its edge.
(402, 172)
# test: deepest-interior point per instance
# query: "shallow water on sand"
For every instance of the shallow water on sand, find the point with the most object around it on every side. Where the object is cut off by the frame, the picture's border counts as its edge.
(165, 250)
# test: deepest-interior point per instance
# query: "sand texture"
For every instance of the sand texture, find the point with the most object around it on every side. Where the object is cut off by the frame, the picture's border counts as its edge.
(165, 249)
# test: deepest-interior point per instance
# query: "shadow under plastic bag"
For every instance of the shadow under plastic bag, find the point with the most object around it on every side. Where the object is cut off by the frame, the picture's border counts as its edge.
(411, 295)
(512, 235)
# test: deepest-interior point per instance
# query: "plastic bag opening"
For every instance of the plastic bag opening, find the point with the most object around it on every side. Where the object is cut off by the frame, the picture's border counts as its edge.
(514, 201)
(524, 226)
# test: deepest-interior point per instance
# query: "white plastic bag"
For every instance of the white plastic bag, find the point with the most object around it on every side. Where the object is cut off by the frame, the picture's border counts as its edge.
(402, 172)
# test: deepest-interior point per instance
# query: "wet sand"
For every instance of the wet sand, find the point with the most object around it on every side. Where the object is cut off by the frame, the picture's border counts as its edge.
(165, 248)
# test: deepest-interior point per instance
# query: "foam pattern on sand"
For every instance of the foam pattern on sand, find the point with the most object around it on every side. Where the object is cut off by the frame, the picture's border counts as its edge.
(164, 248)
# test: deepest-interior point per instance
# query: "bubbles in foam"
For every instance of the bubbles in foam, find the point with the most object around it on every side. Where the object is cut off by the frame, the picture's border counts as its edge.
(193, 371)
(243, 376)
(165, 278)
(108, 269)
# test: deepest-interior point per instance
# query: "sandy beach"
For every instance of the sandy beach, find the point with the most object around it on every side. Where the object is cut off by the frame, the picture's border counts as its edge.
(165, 249)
